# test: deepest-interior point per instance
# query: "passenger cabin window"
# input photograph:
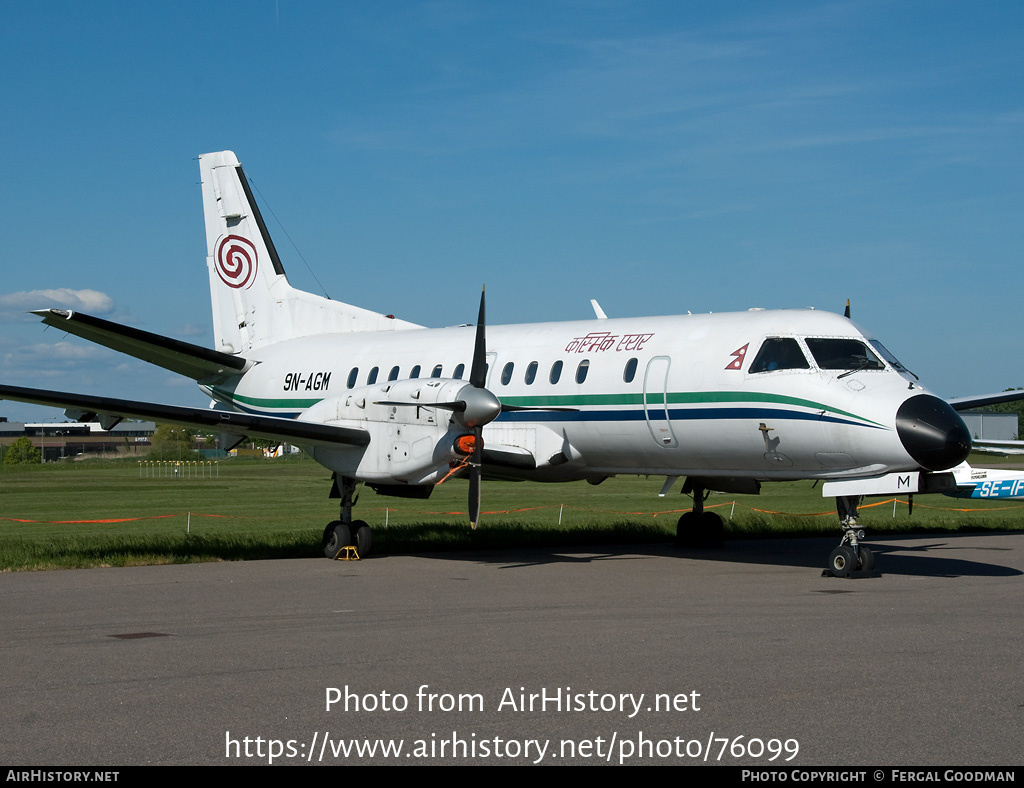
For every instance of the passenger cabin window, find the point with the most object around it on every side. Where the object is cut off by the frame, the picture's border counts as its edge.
(393, 374)
(779, 353)
(843, 354)
(372, 377)
(556, 372)
(352, 377)
(415, 372)
(506, 373)
(582, 370)
(531, 373)
(630, 371)
(436, 373)
(459, 371)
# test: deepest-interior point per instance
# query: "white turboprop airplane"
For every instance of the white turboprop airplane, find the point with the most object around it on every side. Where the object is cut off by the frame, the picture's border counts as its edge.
(726, 400)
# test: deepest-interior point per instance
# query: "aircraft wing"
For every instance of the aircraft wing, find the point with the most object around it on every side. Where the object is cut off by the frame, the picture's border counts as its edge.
(980, 401)
(992, 449)
(193, 361)
(508, 457)
(998, 446)
(110, 411)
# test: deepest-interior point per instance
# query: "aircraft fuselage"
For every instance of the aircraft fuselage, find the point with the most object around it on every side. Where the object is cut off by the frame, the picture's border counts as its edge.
(656, 395)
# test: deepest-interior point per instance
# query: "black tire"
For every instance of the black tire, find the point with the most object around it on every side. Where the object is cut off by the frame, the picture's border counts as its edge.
(712, 530)
(842, 561)
(700, 530)
(337, 536)
(867, 558)
(686, 530)
(362, 538)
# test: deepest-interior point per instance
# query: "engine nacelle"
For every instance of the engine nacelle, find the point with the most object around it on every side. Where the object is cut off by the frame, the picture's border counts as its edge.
(411, 440)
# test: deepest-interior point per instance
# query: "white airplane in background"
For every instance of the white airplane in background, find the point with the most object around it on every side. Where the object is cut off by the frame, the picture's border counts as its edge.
(726, 400)
(987, 483)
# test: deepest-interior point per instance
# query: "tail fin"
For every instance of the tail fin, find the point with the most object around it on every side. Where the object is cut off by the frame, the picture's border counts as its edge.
(253, 303)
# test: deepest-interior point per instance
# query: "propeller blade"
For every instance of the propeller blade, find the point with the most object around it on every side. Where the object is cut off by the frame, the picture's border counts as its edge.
(475, 473)
(516, 408)
(846, 314)
(478, 370)
(458, 406)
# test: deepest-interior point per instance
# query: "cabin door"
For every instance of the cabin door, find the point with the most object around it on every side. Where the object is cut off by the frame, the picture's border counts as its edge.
(656, 402)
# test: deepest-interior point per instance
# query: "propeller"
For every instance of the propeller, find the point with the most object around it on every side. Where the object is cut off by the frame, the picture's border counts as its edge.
(484, 398)
(476, 407)
(846, 313)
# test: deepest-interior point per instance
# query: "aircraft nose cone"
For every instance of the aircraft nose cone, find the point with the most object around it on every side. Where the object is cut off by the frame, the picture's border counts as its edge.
(932, 432)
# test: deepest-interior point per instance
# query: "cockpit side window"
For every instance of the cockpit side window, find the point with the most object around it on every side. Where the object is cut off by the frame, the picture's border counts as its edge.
(893, 361)
(843, 354)
(779, 353)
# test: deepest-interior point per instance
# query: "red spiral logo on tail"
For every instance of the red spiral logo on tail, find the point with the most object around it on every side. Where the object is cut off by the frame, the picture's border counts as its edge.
(236, 261)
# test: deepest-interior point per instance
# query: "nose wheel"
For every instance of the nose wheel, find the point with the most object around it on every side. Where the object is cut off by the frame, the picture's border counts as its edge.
(698, 528)
(851, 558)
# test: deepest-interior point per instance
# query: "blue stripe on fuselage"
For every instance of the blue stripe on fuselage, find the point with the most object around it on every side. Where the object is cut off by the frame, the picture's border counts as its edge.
(678, 414)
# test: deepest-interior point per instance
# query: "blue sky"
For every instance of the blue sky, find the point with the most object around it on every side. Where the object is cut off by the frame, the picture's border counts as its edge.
(662, 157)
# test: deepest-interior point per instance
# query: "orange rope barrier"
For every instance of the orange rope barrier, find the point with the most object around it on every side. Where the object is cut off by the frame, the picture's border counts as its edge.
(567, 507)
(531, 509)
(114, 519)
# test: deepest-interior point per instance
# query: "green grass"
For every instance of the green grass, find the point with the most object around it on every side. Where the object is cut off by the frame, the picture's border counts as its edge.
(278, 509)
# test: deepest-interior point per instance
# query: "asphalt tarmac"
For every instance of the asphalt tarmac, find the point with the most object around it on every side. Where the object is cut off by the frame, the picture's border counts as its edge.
(635, 655)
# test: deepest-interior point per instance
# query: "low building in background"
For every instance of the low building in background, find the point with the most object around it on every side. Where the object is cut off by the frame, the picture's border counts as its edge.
(78, 440)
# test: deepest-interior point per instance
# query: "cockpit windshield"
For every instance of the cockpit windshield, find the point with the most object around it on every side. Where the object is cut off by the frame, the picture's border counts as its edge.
(851, 354)
(779, 353)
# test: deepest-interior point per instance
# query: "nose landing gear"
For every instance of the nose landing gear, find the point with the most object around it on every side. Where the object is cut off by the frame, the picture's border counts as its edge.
(851, 558)
(698, 528)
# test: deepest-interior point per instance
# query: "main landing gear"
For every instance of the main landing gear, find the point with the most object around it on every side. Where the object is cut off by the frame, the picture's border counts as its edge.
(851, 556)
(697, 528)
(339, 535)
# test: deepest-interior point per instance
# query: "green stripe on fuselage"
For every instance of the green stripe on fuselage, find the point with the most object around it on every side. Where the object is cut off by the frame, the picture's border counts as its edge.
(689, 397)
(262, 402)
(589, 400)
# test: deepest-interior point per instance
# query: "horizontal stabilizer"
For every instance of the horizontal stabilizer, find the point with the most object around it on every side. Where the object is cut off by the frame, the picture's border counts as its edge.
(184, 358)
(266, 427)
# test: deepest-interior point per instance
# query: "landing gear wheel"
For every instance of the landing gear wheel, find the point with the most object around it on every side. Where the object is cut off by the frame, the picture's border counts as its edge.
(704, 529)
(362, 538)
(686, 529)
(843, 561)
(712, 529)
(867, 558)
(337, 536)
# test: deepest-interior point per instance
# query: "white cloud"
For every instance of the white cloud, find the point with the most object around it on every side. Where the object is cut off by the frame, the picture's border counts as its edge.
(53, 359)
(15, 306)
